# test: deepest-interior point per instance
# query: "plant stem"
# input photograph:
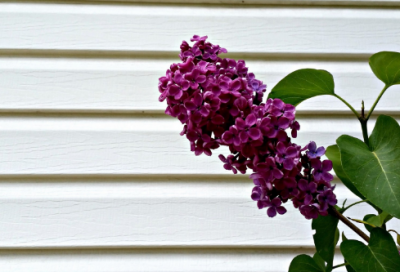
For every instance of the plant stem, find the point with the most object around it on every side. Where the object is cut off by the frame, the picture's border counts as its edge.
(351, 205)
(376, 102)
(364, 128)
(340, 265)
(347, 222)
(348, 105)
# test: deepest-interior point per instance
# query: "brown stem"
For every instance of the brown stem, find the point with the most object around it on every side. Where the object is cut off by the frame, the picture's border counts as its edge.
(347, 222)
(362, 109)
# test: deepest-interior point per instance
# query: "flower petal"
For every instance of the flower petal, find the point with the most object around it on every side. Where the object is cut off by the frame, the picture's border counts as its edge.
(271, 211)
(255, 133)
(250, 120)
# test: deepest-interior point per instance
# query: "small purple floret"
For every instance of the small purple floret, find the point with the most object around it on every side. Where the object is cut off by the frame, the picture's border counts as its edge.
(314, 152)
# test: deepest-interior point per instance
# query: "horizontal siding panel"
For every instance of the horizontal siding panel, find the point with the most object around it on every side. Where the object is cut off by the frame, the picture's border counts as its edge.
(380, 3)
(117, 85)
(153, 260)
(124, 145)
(162, 28)
(135, 213)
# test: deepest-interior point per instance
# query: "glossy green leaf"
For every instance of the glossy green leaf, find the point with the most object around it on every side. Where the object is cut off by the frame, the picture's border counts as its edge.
(384, 217)
(325, 237)
(371, 219)
(376, 220)
(344, 238)
(380, 255)
(386, 67)
(349, 268)
(304, 263)
(303, 84)
(375, 171)
(319, 261)
(398, 236)
(333, 153)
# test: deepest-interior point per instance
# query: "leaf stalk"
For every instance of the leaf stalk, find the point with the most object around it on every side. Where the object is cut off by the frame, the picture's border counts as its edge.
(347, 222)
(340, 265)
(351, 205)
(364, 128)
(348, 105)
(376, 102)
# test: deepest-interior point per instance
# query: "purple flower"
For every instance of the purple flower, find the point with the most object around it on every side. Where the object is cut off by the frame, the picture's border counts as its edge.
(287, 187)
(279, 108)
(194, 78)
(276, 125)
(187, 66)
(295, 126)
(246, 128)
(228, 162)
(204, 147)
(198, 110)
(269, 169)
(274, 207)
(220, 103)
(195, 134)
(231, 136)
(257, 193)
(321, 170)
(198, 38)
(259, 180)
(326, 198)
(310, 211)
(287, 156)
(308, 190)
(314, 152)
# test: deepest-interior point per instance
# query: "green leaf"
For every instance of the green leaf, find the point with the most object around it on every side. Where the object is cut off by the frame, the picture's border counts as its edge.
(398, 236)
(386, 67)
(325, 237)
(376, 220)
(375, 171)
(384, 217)
(371, 219)
(319, 261)
(349, 268)
(304, 263)
(333, 153)
(380, 255)
(303, 84)
(344, 238)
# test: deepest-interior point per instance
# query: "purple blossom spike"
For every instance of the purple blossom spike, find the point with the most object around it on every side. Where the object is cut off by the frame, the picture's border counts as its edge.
(219, 102)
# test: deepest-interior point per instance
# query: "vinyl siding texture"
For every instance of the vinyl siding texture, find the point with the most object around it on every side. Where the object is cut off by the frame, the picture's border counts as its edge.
(95, 177)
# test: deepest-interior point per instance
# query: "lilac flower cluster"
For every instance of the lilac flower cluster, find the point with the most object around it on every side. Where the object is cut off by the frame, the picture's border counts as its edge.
(220, 103)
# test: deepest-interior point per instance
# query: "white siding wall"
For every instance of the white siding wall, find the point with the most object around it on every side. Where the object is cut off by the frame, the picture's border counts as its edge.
(94, 177)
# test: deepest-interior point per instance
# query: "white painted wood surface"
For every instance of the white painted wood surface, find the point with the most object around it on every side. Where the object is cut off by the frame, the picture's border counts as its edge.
(141, 28)
(122, 85)
(135, 212)
(93, 176)
(380, 3)
(152, 260)
(125, 145)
